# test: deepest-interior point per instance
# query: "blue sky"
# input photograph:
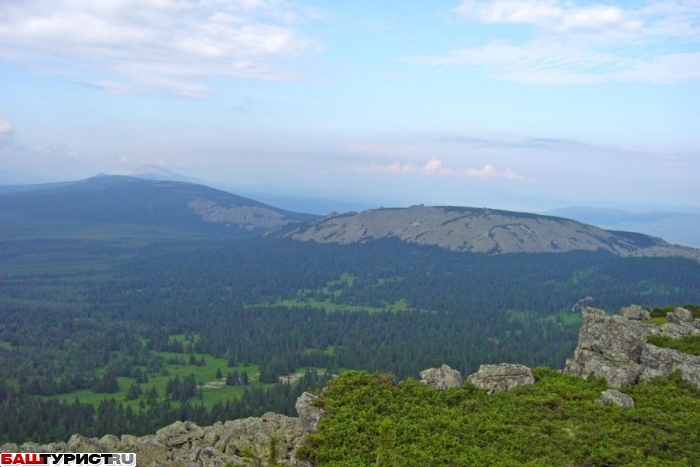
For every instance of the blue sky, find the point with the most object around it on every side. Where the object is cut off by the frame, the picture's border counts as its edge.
(518, 104)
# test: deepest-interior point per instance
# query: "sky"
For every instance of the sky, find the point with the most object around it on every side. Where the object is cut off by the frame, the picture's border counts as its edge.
(512, 104)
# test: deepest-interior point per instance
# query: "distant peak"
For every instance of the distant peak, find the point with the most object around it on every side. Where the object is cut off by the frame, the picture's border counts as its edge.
(155, 172)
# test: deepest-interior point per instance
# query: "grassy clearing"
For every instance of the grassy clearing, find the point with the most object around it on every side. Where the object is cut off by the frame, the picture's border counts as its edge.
(394, 307)
(563, 318)
(203, 374)
(330, 298)
(653, 288)
(657, 320)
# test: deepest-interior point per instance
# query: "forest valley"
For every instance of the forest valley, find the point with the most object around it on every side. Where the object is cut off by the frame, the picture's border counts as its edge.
(115, 335)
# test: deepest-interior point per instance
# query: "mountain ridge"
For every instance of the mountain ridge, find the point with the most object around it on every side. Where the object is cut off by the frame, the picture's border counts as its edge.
(480, 230)
(173, 207)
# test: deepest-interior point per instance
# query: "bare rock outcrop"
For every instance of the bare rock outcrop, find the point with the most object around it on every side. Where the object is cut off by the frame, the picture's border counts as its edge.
(253, 435)
(679, 316)
(185, 444)
(441, 378)
(635, 312)
(616, 348)
(659, 362)
(501, 377)
(179, 434)
(608, 346)
(78, 443)
(680, 323)
(613, 396)
(308, 413)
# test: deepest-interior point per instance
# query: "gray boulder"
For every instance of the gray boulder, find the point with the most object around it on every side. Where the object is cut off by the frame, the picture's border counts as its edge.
(502, 377)
(148, 450)
(111, 442)
(635, 312)
(309, 415)
(441, 378)
(609, 347)
(179, 434)
(252, 436)
(201, 457)
(691, 372)
(660, 362)
(78, 443)
(613, 396)
(677, 331)
(679, 316)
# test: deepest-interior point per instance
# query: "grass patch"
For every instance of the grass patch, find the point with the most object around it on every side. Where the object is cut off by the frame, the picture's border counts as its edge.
(564, 318)
(203, 374)
(660, 312)
(329, 306)
(330, 298)
(685, 344)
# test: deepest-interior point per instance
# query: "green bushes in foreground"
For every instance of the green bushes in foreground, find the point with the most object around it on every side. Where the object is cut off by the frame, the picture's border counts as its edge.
(556, 421)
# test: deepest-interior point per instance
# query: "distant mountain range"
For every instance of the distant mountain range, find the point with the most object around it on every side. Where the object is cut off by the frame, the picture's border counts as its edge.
(125, 205)
(682, 228)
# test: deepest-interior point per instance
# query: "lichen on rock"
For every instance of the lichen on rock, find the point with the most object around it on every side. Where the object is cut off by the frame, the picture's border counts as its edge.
(441, 378)
(501, 377)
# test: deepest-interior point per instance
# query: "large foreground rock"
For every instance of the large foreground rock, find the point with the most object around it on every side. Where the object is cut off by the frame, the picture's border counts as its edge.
(441, 378)
(502, 377)
(609, 347)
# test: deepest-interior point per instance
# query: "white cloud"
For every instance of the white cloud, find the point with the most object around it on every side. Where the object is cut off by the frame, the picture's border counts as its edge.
(489, 171)
(5, 127)
(435, 167)
(551, 15)
(6, 132)
(394, 167)
(655, 43)
(167, 44)
(55, 151)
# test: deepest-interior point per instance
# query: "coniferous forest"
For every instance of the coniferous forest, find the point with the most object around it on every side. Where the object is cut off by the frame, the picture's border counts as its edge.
(121, 335)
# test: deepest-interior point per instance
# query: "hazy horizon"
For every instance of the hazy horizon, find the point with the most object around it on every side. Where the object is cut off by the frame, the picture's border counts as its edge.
(518, 104)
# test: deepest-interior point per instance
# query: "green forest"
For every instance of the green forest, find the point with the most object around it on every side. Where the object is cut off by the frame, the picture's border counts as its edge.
(117, 335)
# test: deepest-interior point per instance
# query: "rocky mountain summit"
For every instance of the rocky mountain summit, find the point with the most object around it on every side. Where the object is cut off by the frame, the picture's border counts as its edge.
(613, 347)
(481, 231)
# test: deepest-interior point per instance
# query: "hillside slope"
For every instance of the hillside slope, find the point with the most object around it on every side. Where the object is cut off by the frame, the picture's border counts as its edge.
(168, 206)
(481, 231)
